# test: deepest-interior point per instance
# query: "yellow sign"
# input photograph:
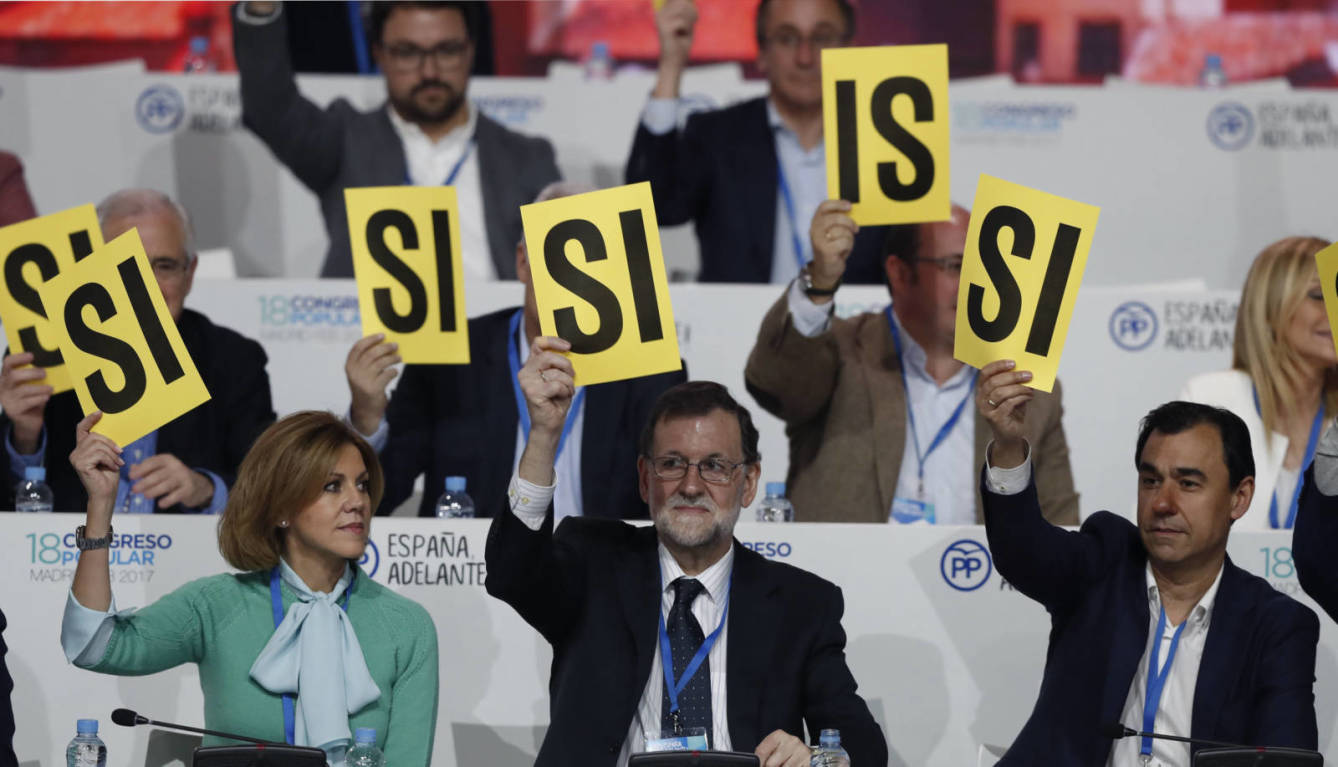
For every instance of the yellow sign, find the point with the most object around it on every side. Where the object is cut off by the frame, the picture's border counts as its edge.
(1327, 262)
(885, 118)
(406, 257)
(35, 251)
(121, 346)
(1025, 254)
(599, 282)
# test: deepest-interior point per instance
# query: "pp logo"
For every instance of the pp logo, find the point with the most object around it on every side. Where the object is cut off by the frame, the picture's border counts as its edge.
(966, 565)
(1230, 126)
(160, 109)
(1133, 326)
(370, 555)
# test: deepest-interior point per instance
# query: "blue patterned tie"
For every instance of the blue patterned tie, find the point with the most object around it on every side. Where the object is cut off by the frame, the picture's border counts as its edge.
(685, 637)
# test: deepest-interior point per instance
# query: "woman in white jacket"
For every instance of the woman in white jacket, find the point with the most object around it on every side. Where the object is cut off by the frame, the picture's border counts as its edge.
(1283, 377)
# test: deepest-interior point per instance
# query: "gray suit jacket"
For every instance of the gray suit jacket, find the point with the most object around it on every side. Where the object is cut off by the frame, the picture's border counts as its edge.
(338, 147)
(844, 406)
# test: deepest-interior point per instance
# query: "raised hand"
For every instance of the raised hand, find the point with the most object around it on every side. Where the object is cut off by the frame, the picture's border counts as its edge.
(24, 400)
(370, 368)
(1002, 398)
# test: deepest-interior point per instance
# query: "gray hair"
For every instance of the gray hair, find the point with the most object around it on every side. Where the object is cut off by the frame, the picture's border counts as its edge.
(127, 203)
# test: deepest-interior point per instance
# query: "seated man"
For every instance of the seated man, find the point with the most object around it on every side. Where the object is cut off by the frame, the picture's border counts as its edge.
(1123, 598)
(767, 636)
(876, 407)
(1315, 537)
(467, 420)
(187, 465)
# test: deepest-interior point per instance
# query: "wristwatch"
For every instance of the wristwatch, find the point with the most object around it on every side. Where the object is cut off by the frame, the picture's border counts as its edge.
(806, 280)
(88, 544)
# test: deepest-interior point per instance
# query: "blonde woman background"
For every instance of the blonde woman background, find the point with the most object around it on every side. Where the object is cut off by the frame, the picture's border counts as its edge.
(1282, 377)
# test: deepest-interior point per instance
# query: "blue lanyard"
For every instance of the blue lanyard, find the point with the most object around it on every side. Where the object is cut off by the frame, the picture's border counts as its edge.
(276, 602)
(1157, 676)
(513, 356)
(672, 688)
(947, 427)
(1310, 446)
(469, 149)
(795, 239)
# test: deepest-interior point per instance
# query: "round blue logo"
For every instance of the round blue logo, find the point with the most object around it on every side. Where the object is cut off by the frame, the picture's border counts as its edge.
(966, 565)
(159, 109)
(1230, 126)
(1133, 326)
(371, 559)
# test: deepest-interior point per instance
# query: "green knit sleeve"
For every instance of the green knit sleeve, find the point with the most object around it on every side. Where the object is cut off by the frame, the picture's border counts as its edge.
(167, 633)
(413, 696)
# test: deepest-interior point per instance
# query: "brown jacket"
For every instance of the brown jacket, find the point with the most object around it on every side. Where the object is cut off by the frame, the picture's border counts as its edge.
(844, 406)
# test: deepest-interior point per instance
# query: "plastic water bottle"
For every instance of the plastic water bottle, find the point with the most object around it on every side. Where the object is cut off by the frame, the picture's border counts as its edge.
(33, 494)
(829, 752)
(1212, 75)
(364, 752)
(775, 507)
(87, 749)
(599, 64)
(200, 58)
(455, 503)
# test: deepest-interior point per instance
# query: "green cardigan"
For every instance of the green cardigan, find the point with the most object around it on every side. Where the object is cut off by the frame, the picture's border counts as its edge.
(222, 622)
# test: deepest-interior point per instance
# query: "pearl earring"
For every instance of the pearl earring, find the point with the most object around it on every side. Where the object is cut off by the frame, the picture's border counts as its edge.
(284, 523)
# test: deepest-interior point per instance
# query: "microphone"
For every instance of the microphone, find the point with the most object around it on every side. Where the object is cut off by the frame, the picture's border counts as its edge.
(127, 718)
(1117, 730)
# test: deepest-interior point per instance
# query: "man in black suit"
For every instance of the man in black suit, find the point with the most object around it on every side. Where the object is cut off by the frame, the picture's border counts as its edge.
(464, 420)
(188, 464)
(749, 176)
(767, 636)
(1152, 626)
(1315, 537)
(428, 133)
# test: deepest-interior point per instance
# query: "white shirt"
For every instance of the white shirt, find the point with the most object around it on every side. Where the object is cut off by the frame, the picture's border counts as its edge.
(949, 470)
(567, 497)
(529, 502)
(429, 164)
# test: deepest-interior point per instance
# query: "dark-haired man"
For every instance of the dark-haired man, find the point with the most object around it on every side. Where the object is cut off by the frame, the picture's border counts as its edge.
(427, 133)
(1152, 626)
(876, 407)
(618, 601)
(748, 176)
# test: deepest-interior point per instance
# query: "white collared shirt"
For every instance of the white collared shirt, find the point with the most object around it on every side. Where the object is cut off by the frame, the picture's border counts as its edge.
(429, 163)
(1176, 710)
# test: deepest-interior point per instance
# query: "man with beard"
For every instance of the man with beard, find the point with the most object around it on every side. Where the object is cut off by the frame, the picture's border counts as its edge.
(875, 405)
(427, 134)
(674, 632)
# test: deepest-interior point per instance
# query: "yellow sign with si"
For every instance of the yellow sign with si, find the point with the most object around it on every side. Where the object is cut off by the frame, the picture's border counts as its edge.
(885, 119)
(599, 282)
(35, 251)
(1025, 255)
(124, 353)
(1326, 261)
(406, 258)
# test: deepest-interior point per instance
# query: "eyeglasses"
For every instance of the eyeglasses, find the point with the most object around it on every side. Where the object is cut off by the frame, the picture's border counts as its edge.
(947, 264)
(717, 471)
(448, 55)
(789, 40)
(168, 268)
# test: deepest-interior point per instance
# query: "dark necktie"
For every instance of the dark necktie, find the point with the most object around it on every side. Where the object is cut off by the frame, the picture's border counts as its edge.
(685, 637)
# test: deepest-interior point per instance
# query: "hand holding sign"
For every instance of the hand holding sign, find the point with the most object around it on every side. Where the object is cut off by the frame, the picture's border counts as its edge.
(406, 257)
(885, 115)
(599, 282)
(23, 397)
(1025, 254)
(122, 348)
(1002, 395)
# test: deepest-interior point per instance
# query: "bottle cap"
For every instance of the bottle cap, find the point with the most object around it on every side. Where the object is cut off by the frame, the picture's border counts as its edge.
(199, 45)
(599, 49)
(776, 488)
(830, 738)
(38, 473)
(455, 484)
(1213, 60)
(87, 727)
(365, 736)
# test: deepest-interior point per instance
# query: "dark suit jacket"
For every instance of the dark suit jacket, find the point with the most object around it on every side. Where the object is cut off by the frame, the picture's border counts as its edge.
(1314, 540)
(339, 147)
(461, 420)
(844, 405)
(1256, 679)
(719, 172)
(593, 590)
(7, 756)
(214, 436)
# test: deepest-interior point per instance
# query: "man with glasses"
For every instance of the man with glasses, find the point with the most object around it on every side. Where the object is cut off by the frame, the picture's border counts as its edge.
(427, 134)
(188, 464)
(751, 175)
(876, 407)
(672, 634)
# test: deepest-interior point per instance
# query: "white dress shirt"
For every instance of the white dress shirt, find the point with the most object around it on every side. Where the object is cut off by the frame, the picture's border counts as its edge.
(430, 162)
(949, 473)
(529, 502)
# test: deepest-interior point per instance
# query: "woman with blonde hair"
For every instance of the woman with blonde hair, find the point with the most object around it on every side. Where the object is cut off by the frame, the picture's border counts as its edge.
(1282, 379)
(301, 646)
